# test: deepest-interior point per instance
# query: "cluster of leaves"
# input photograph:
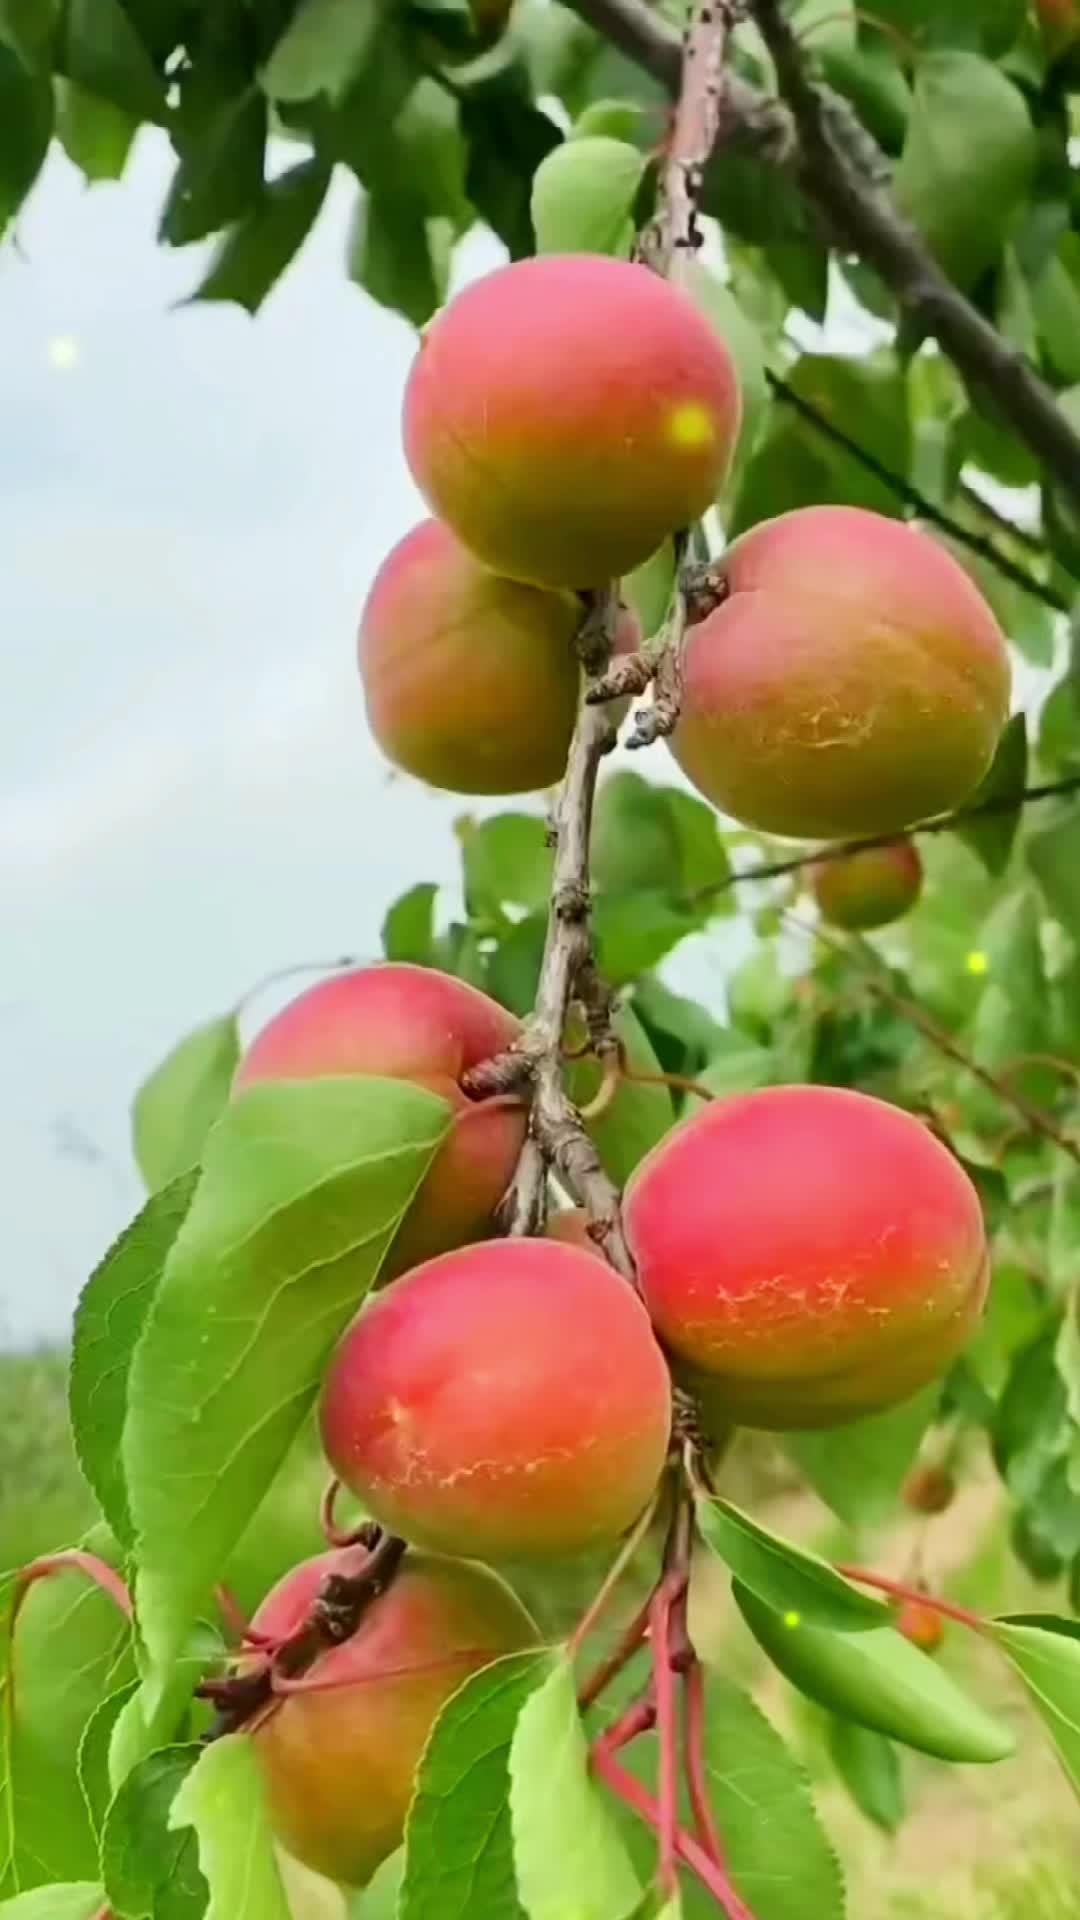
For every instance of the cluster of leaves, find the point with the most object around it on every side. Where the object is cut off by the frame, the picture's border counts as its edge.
(202, 1338)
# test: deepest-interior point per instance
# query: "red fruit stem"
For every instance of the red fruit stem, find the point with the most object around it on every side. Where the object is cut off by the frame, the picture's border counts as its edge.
(598, 1605)
(897, 1590)
(237, 1625)
(639, 1718)
(75, 1561)
(365, 1533)
(694, 1757)
(713, 1878)
(629, 1642)
(667, 1728)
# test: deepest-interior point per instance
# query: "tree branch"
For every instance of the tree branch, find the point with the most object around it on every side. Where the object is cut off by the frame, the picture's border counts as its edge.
(996, 804)
(860, 214)
(926, 509)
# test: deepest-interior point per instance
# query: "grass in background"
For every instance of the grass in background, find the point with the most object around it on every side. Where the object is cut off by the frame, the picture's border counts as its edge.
(44, 1502)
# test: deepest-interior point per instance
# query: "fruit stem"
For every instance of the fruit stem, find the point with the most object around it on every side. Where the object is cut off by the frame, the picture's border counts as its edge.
(638, 1719)
(364, 1534)
(713, 1878)
(623, 1559)
(629, 1642)
(667, 1728)
(75, 1561)
(897, 1590)
(694, 1757)
(312, 1683)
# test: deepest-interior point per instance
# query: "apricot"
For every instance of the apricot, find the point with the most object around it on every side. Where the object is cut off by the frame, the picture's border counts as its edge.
(870, 888)
(929, 1490)
(808, 1254)
(855, 681)
(921, 1625)
(505, 1400)
(1060, 21)
(340, 1761)
(471, 681)
(565, 414)
(409, 1023)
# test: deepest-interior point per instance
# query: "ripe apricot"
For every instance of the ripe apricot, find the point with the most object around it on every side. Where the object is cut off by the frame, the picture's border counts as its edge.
(340, 1760)
(565, 414)
(870, 888)
(471, 681)
(929, 1490)
(506, 1400)
(409, 1023)
(810, 1253)
(855, 680)
(920, 1624)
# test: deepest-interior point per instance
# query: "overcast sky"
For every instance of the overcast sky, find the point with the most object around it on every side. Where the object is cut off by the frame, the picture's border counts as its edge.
(192, 506)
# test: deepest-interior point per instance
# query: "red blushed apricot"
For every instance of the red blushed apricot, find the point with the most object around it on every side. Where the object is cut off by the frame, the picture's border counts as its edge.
(870, 888)
(920, 1624)
(505, 1400)
(854, 682)
(809, 1253)
(565, 414)
(471, 681)
(340, 1760)
(409, 1023)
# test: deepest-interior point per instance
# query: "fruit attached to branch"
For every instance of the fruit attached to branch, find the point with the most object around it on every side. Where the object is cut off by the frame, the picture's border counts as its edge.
(810, 1254)
(868, 889)
(565, 414)
(505, 1400)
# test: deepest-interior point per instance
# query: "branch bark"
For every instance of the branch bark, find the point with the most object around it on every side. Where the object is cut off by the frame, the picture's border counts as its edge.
(799, 133)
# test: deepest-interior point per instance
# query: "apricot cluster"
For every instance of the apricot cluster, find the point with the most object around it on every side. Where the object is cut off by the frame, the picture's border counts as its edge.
(563, 417)
(805, 1255)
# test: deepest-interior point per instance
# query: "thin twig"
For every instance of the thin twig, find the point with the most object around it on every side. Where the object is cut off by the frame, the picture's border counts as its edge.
(898, 1591)
(622, 1561)
(694, 1728)
(630, 1642)
(713, 1878)
(926, 509)
(73, 1560)
(861, 214)
(995, 806)
(798, 134)
(873, 975)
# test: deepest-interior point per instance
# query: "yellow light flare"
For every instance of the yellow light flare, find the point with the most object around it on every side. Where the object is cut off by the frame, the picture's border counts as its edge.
(691, 426)
(63, 352)
(977, 962)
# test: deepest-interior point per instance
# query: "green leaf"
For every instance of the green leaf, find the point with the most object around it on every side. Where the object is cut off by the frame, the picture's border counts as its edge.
(304, 1186)
(1054, 858)
(964, 105)
(223, 1798)
(70, 1650)
(797, 464)
(408, 931)
(881, 1681)
(26, 122)
(869, 1767)
(583, 196)
(105, 55)
(94, 1754)
(148, 1866)
(379, 1899)
(736, 1064)
(799, 1585)
(157, 1713)
(778, 1853)
(567, 1853)
(991, 838)
(79, 1902)
(640, 1114)
(634, 931)
(459, 1853)
(507, 140)
(255, 253)
(96, 135)
(635, 842)
(393, 252)
(28, 28)
(858, 1469)
(507, 863)
(177, 1105)
(1046, 1654)
(220, 177)
(109, 1319)
(320, 49)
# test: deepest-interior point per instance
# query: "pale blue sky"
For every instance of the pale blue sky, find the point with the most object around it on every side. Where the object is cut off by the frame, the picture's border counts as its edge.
(188, 797)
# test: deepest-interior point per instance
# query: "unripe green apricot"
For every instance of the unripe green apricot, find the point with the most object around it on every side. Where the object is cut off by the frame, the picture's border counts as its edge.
(870, 888)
